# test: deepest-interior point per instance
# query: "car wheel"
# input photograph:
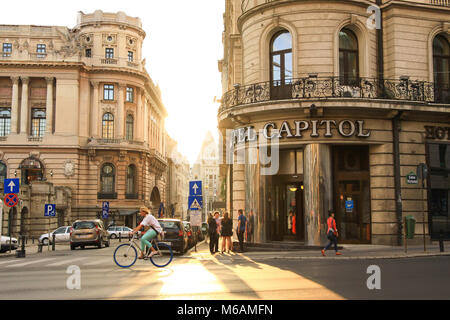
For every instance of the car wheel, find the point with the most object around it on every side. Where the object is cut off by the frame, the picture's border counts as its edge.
(45, 241)
(100, 244)
(113, 236)
(72, 247)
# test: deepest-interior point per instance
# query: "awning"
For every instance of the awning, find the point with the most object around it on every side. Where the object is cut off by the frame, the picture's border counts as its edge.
(127, 212)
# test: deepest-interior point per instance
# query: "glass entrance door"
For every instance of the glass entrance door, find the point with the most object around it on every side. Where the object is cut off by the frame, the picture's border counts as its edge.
(352, 194)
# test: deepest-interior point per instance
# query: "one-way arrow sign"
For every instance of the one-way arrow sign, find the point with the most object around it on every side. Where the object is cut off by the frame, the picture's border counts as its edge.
(11, 186)
(195, 188)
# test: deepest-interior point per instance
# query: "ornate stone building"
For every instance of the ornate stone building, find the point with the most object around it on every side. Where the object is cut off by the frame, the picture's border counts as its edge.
(81, 121)
(356, 93)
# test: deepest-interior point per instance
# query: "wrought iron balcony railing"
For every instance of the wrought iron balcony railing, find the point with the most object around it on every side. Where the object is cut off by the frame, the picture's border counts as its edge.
(335, 87)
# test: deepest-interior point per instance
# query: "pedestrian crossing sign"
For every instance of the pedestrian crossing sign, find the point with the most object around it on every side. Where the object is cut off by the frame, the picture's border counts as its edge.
(195, 203)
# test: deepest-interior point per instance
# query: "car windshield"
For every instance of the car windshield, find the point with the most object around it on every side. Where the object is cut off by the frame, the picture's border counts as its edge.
(84, 225)
(169, 224)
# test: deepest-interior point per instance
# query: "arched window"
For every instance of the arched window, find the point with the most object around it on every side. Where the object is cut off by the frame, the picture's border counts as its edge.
(131, 182)
(32, 170)
(107, 180)
(129, 127)
(108, 126)
(441, 61)
(348, 57)
(2, 173)
(281, 58)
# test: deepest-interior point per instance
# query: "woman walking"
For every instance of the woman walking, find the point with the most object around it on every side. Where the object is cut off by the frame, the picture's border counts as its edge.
(227, 232)
(332, 234)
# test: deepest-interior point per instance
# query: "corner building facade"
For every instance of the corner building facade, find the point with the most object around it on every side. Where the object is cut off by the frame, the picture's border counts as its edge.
(81, 122)
(355, 110)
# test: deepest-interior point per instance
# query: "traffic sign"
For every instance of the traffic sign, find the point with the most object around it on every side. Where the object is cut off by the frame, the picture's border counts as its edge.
(50, 210)
(195, 188)
(11, 200)
(349, 205)
(105, 209)
(195, 203)
(11, 185)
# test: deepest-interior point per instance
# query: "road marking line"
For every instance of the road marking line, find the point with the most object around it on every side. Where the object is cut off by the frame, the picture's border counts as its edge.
(93, 263)
(9, 261)
(64, 262)
(28, 263)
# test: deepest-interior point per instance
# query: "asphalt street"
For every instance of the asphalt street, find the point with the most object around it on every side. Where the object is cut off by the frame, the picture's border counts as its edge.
(198, 275)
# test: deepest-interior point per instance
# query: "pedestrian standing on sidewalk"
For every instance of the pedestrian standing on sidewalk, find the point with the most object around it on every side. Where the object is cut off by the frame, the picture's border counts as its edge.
(242, 224)
(226, 233)
(219, 227)
(332, 234)
(212, 232)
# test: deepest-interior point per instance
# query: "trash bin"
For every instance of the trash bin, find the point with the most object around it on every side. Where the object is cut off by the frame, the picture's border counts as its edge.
(410, 226)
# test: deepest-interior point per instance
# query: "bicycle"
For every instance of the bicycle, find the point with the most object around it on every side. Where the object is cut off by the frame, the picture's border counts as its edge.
(126, 254)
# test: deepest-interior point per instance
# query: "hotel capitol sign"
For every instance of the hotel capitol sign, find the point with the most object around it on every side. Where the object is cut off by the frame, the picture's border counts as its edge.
(300, 129)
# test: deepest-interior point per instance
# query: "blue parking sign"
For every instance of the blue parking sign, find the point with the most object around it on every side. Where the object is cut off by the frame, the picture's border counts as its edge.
(105, 210)
(50, 210)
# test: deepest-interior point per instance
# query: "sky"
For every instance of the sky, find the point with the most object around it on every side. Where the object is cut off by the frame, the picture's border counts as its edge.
(182, 47)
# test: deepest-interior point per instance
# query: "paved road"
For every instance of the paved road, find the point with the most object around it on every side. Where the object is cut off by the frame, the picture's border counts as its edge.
(236, 277)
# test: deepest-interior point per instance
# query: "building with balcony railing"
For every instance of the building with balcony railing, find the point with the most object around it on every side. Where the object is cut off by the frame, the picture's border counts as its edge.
(351, 97)
(79, 111)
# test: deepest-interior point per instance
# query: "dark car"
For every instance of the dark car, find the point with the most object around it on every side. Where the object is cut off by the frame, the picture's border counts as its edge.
(175, 234)
(88, 233)
(191, 236)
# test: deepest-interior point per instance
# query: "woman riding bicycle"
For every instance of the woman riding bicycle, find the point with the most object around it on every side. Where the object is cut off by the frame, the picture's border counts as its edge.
(152, 228)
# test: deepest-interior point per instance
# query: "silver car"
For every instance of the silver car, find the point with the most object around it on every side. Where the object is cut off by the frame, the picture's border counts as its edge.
(5, 244)
(62, 234)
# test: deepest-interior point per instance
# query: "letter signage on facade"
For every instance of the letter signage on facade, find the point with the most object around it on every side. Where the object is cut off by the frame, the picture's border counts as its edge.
(345, 128)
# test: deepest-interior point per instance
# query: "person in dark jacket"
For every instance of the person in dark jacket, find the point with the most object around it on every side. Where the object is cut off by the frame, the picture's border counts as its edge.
(213, 235)
(227, 232)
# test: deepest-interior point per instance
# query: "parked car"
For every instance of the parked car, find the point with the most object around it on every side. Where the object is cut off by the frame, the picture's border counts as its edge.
(191, 236)
(62, 234)
(88, 233)
(175, 234)
(4, 244)
(114, 232)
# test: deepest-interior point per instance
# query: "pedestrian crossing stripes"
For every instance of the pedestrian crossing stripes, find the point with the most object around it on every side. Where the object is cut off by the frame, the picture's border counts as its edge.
(54, 262)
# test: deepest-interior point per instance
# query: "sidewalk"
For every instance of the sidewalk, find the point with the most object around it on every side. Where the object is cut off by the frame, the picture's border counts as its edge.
(348, 252)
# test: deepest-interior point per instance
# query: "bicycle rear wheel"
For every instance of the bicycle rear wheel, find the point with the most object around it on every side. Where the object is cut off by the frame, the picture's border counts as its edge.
(163, 257)
(125, 255)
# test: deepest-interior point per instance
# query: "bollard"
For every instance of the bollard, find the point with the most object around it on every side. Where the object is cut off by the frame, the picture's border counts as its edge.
(120, 237)
(53, 242)
(441, 242)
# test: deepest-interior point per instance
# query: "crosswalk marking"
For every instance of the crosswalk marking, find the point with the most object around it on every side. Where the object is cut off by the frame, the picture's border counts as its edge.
(28, 263)
(60, 263)
(9, 261)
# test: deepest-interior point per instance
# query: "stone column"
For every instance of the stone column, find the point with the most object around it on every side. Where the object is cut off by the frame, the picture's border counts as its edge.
(24, 106)
(139, 118)
(120, 111)
(49, 107)
(14, 104)
(146, 107)
(318, 182)
(95, 114)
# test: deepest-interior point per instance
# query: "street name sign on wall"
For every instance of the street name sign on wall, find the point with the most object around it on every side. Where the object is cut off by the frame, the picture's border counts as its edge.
(50, 210)
(411, 178)
(11, 185)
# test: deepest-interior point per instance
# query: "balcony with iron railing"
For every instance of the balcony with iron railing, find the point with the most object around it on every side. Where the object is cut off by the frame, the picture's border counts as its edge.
(314, 88)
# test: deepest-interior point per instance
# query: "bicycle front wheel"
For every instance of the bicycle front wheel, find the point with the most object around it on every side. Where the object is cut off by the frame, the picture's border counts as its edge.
(163, 257)
(125, 255)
